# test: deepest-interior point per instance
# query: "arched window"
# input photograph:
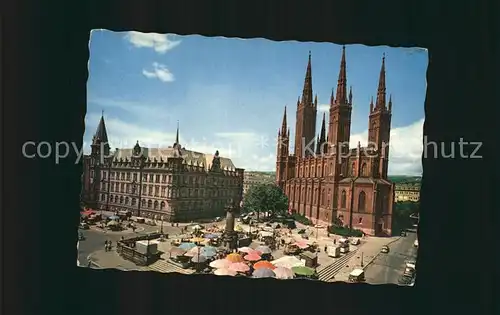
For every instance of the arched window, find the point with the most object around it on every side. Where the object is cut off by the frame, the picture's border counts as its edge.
(143, 202)
(103, 197)
(133, 201)
(361, 201)
(162, 205)
(360, 220)
(126, 200)
(116, 199)
(363, 170)
(323, 197)
(156, 204)
(343, 200)
(150, 203)
(121, 199)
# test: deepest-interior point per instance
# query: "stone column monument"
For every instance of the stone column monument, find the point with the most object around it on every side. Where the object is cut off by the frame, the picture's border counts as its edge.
(230, 236)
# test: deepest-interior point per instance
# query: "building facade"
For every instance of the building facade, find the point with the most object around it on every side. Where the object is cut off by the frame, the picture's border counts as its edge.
(407, 192)
(325, 179)
(173, 183)
(255, 178)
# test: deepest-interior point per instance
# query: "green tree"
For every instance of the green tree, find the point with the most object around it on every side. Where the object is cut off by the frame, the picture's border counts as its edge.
(265, 197)
(401, 217)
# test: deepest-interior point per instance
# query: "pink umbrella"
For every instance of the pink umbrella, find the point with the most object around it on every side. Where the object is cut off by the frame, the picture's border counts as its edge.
(225, 272)
(252, 257)
(255, 252)
(193, 252)
(283, 273)
(220, 264)
(301, 245)
(239, 267)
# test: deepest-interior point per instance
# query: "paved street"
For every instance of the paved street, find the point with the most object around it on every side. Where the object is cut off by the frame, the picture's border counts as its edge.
(387, 268)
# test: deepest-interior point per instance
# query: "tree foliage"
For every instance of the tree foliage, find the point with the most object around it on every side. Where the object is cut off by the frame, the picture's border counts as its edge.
(265, 197)
(401, 216)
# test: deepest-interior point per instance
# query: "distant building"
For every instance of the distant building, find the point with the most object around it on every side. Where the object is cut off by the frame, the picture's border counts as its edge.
(172, 183)
(407, 192)
(253, 178)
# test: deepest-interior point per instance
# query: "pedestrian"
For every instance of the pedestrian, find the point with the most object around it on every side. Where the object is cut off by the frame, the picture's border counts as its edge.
(334, 241)
(326, 247)
(106, 245)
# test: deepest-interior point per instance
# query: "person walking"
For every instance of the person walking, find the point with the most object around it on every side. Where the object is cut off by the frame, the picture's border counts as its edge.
(106, 245)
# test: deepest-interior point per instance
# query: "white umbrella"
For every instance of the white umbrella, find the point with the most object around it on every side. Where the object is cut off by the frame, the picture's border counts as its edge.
(199, 259)
(264, 249)
(197, 227)
(283, 273)
(220, 264)
(245, 249)
(225, 272)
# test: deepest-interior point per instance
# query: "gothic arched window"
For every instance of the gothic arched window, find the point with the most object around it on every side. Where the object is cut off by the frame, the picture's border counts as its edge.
(361, 201)
(343, 200)
(363, 170)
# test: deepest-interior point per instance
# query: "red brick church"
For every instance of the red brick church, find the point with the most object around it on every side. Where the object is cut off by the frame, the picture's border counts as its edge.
(324, 179)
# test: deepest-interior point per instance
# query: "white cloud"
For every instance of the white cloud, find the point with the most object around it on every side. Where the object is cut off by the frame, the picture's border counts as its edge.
(159, 72)
(324, 107)
(161, 43)
(405, 148)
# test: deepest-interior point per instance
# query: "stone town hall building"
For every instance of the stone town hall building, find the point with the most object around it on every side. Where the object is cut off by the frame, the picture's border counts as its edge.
(332, 181)
(174, 183)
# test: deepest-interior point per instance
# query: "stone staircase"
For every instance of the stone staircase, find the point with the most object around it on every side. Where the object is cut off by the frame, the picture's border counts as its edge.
(166, 267)
(331, 270)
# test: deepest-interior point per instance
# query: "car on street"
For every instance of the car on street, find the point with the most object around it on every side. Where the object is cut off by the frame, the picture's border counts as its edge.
(81, 237)
(355, 241)
(84, 226)
(415, 244)
(385, 249)
(406, 280)
(403, 233)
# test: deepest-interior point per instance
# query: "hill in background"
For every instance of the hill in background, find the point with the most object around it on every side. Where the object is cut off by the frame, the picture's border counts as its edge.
(405, 179)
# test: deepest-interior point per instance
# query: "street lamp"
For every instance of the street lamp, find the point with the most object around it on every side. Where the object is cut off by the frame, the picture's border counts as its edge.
(161, 226)
(362, 264)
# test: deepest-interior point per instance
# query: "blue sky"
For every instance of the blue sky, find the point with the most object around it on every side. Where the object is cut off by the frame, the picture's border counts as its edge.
(229, 94)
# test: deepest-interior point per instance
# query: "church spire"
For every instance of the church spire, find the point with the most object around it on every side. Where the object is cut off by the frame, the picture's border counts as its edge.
(307, 93)
(371, 105)
(283, 124)
(380, 104)
(101, 134)
(322, 137)
(177, 134)
(332, 98)
(342, 82)
(390, 102)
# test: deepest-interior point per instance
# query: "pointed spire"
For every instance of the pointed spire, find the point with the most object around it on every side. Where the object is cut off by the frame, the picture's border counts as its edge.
(101, 133)
(298, 101)
(341, 97)
(307, 98)
(323, 129)
(288, 133)
(332, 97)
(390, 102)
(371, 105)
(177, 134)
(318, 146)
(381, 87)
(350, 95)
(283, 124)
(316, 100)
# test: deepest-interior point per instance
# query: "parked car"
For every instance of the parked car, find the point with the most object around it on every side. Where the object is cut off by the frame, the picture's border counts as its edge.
(355, 241)
(403, 233)
(385, 249)
(83, 226)
(415, 244)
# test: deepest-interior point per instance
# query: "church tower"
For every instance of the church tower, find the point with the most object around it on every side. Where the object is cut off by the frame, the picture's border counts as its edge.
(99, 156)
(380, 127)
(305, 128)
(339, 131)
(282, 154)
